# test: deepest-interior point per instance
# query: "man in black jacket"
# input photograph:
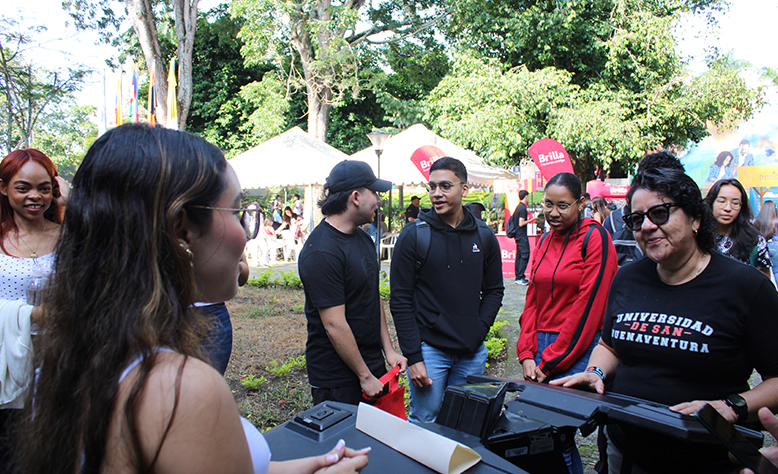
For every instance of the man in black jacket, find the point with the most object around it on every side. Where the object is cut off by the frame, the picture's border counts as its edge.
(444, 309)
(518, 222)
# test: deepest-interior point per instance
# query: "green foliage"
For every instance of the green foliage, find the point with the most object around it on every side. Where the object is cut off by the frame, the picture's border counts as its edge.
(65, 133)
(494, 342)
(291, 280)
(253, 383)
(264, 279)
(287, 367)
(384, 289)
(298, 308)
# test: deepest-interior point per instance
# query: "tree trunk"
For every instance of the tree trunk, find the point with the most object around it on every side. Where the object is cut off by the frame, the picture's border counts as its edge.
(143, 22)
(186, 25)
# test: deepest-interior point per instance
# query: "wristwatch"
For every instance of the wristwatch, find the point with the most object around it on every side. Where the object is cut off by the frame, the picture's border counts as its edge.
(738, 405)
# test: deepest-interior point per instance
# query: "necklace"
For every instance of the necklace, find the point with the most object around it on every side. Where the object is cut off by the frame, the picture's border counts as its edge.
(33, 253)
(699, 266)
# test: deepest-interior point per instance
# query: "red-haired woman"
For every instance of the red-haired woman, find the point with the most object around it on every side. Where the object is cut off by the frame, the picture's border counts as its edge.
(30, 217)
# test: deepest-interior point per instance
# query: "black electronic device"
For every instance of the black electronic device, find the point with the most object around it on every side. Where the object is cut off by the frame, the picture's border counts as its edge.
(316, 431)
(743, 449)
(472, 408)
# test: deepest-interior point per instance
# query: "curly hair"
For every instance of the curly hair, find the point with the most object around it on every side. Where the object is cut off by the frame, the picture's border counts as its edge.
(677, 186)
(743, 233)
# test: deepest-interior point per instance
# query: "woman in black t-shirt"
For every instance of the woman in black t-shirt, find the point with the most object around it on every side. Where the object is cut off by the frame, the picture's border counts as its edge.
(685, 327)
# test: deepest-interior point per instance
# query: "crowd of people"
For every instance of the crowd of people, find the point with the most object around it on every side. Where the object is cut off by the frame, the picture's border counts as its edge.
(132, 336)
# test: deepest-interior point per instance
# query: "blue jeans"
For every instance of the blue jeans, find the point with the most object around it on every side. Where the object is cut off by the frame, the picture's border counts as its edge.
(545, 339)
(443, 369)
(217, 346)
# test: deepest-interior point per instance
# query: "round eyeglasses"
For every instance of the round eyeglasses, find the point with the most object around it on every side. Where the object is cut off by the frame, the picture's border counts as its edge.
(249, 217)
(658, 214)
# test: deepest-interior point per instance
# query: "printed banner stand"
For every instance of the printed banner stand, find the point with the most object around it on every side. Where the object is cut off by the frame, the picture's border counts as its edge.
(423, 158)
(550, 157)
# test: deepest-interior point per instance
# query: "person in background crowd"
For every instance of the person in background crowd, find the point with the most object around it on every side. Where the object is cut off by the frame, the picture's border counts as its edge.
(720, 168)
(412, 211)
(568, 290)
(684, 327)
(737, 236)
(298, 205)
(120, 382)
(347, 329)
(742, 156)
(627, 248)
(601, 210)
(587, 205)
(277, 207)
(766, 225)
(443, 308)
(518, 223)
(32, 197)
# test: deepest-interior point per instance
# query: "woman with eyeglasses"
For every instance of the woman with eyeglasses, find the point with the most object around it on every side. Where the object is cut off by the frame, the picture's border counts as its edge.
(684, 327)
(573, 267)
(737, 235)
(153, 224)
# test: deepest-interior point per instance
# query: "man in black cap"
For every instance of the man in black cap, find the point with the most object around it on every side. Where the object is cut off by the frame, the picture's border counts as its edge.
(412, 212)
(348, 338)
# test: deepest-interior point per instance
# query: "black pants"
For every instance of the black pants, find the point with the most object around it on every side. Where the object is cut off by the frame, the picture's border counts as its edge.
(522, 256)
(352, 395)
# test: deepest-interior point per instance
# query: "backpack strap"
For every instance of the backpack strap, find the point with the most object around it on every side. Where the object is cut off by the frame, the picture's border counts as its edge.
(423, 241)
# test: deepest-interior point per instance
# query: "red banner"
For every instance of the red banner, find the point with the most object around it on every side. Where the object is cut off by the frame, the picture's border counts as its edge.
(597, 188)
(550, 157)
(423, 158)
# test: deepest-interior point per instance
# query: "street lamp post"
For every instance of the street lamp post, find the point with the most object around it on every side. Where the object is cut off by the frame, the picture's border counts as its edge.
(378, 139)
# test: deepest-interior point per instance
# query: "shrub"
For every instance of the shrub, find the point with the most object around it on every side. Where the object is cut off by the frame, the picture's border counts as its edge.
(291, 280)
(287, 367)
(263, 280)
(253, 383)
(494, 343)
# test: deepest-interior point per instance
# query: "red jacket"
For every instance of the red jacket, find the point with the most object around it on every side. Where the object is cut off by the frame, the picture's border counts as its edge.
(567, 294)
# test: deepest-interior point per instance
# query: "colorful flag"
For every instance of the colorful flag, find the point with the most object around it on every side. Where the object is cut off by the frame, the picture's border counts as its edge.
(550, 157)
(172, 107)
(152, 102)
(118, 107)
(134, 100)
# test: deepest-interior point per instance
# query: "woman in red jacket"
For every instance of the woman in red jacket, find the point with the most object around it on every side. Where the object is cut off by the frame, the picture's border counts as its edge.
(569, 286)
(572, 270)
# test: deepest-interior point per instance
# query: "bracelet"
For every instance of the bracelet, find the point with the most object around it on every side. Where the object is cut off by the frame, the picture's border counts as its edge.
(600, 373)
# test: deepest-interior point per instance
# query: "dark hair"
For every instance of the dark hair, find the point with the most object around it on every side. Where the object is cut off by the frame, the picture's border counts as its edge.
(451, 164)
(523, 193)
(569, 181)
(123, 287)
(332, 204)
(743, 234)
(601, 205)
(297, 196)
(767, 220)
(659, 159)
(11, 165)
(587, 196)
(745, 142)
(677, 186)
(722, 156)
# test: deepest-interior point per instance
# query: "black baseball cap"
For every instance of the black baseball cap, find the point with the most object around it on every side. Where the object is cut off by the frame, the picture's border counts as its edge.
(352, 174)
(414, 197)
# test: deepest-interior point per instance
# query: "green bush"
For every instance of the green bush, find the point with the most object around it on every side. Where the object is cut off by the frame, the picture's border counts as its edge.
(291, 280)
(287, 367)
(253, 383)
(494, 343)
(383, 289)
(264, 279)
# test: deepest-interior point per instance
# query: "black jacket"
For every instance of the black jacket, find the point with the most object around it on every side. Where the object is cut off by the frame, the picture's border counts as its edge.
(453, 302)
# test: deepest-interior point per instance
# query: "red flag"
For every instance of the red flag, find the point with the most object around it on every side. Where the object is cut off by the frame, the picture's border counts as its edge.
(423, 158)
(550, 157)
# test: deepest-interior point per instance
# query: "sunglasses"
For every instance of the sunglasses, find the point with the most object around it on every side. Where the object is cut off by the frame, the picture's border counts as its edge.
(249, 217)
(658, 214)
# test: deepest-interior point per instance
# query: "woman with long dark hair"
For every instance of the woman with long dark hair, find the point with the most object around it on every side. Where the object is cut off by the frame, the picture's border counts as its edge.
(720, 169)
(767, 226)
(737, 235)
(153, 225)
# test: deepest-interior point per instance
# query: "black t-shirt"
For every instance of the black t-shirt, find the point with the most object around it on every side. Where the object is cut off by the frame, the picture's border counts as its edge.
(337, 269)
(411, 211)
(695, 341)
(521, 213)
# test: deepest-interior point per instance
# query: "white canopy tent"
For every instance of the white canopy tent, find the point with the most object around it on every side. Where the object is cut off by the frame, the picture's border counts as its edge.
(397, 167)
(293, 158)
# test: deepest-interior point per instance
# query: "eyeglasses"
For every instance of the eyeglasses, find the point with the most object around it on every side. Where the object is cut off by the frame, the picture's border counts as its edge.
(249, 217)
(658, 214)
(722, 203)
(445, 186)
(561, 207)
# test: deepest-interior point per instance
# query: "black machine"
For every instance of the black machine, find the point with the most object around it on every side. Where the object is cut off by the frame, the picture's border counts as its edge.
(527, 434)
